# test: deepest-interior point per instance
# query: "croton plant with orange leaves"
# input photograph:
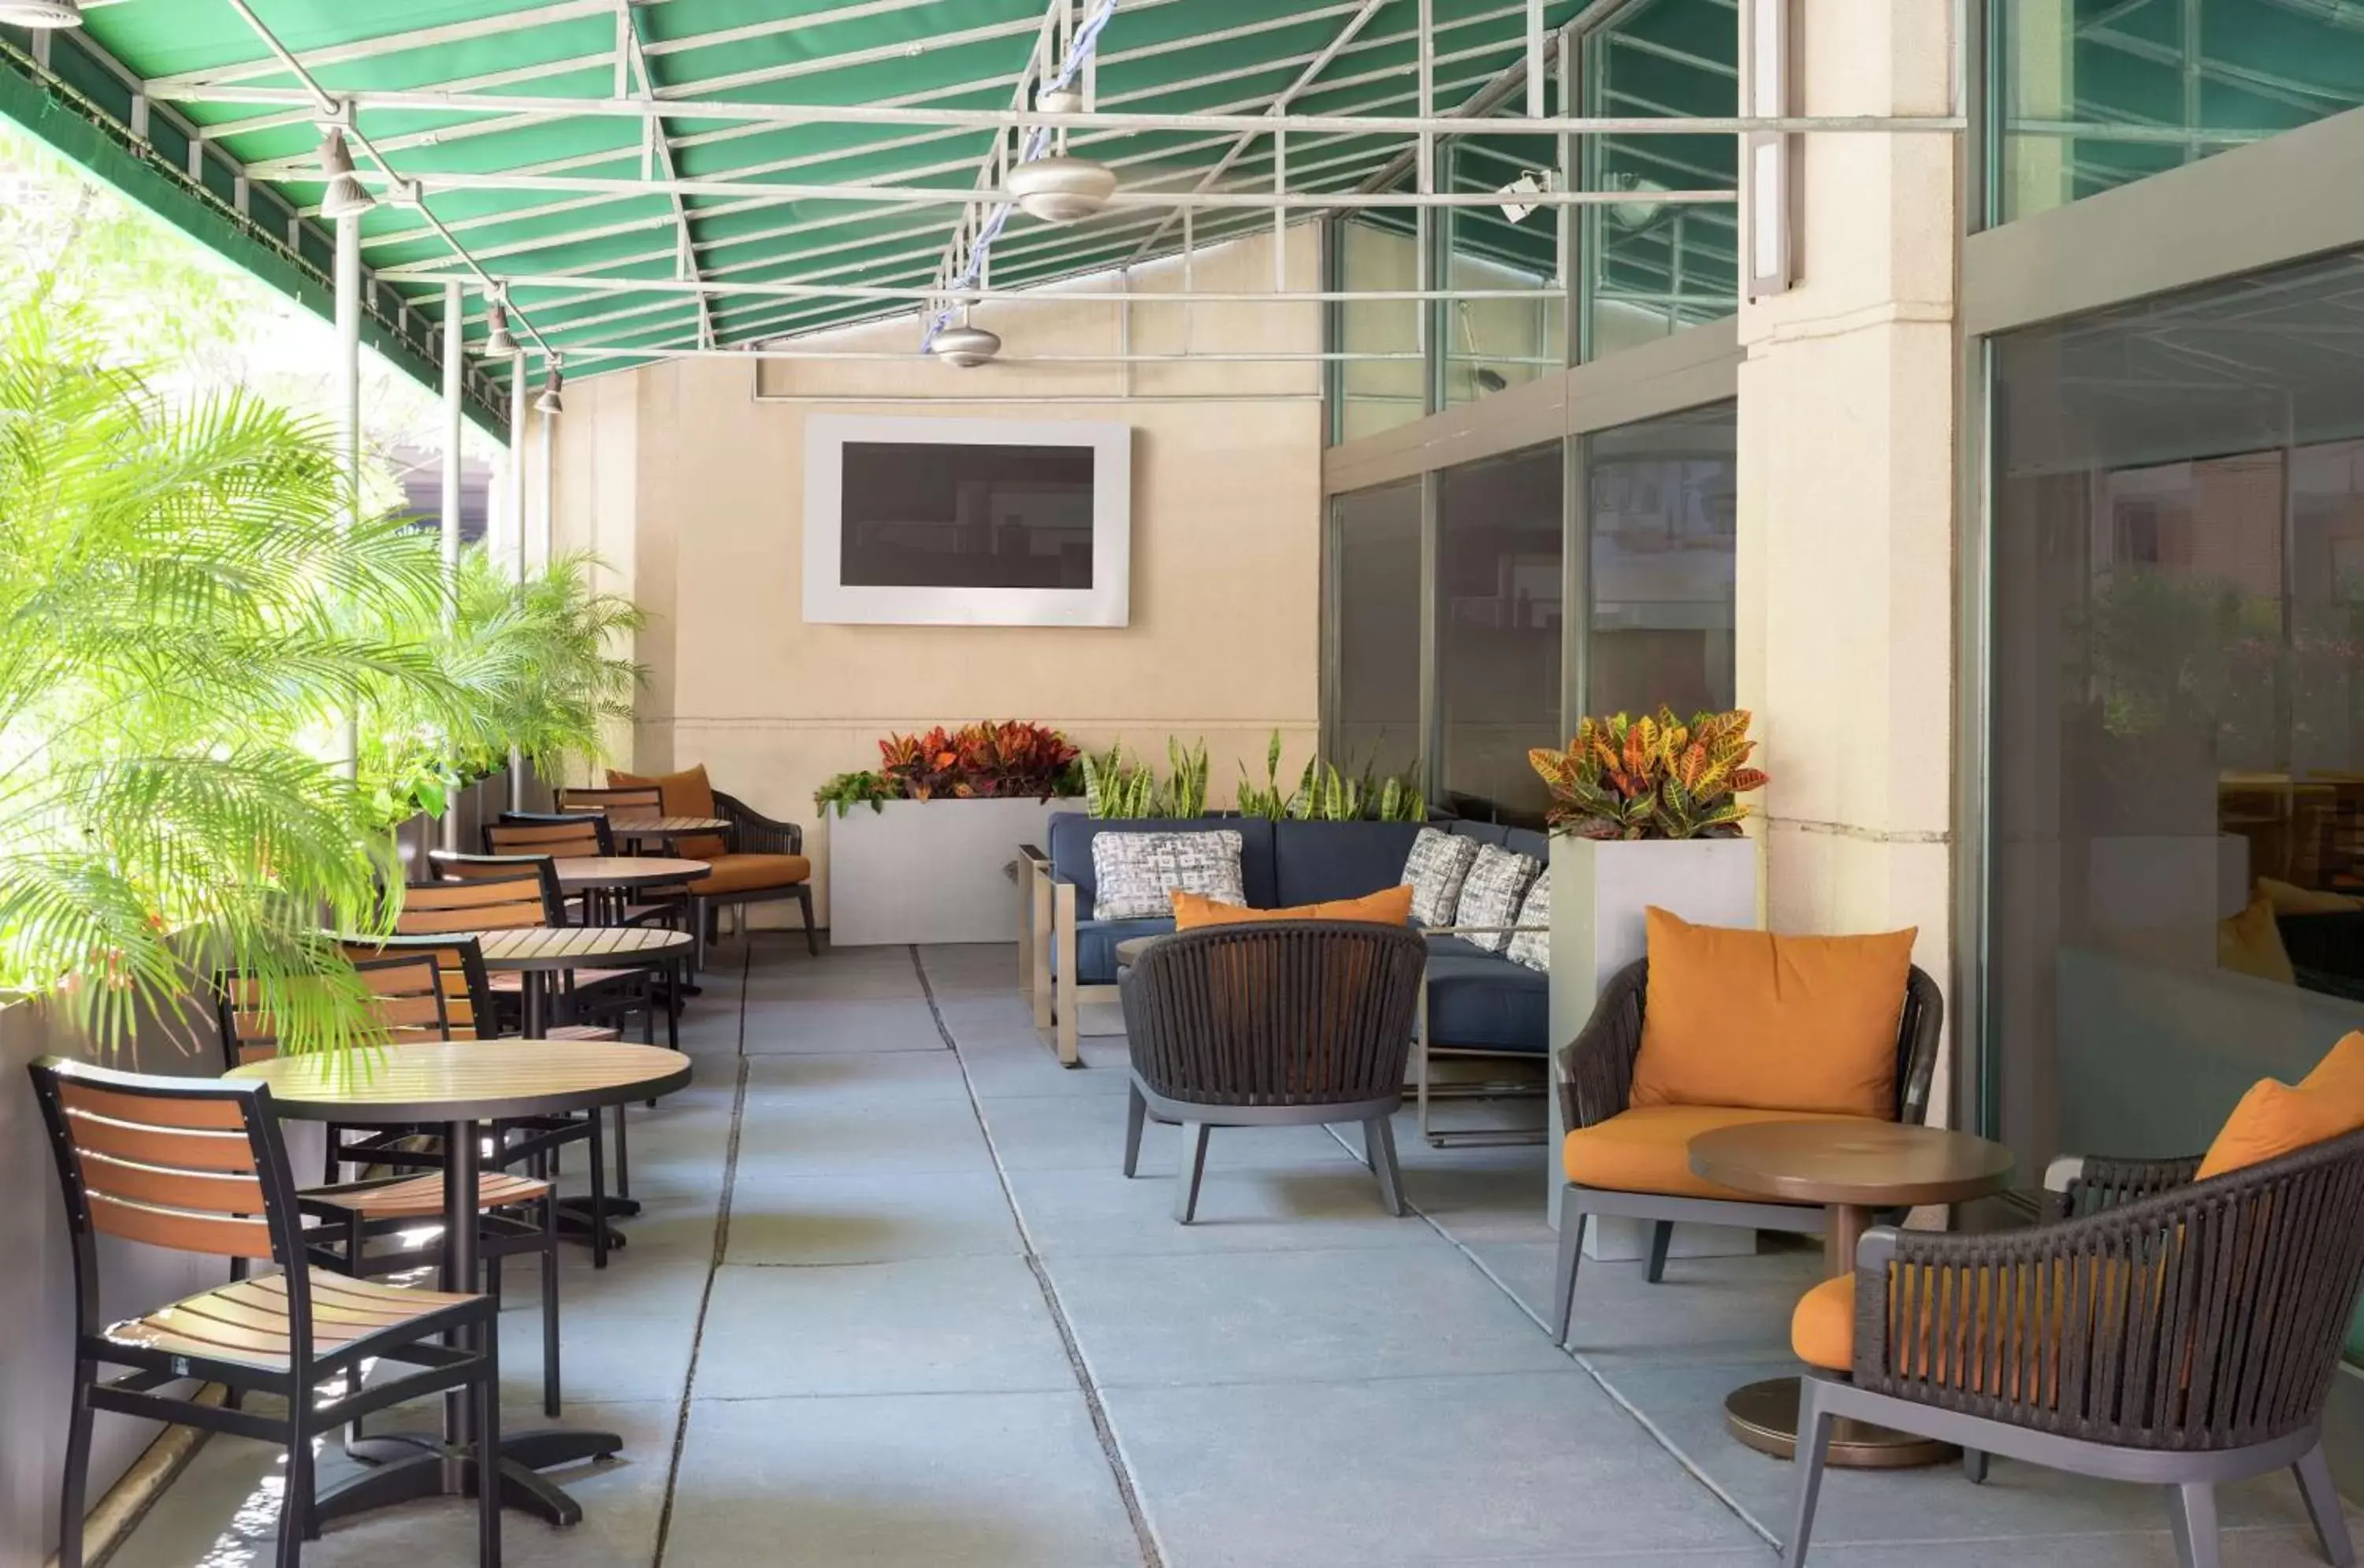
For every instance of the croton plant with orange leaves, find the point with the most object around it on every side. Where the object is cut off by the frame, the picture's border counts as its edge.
(1651, 777)
(979, 760)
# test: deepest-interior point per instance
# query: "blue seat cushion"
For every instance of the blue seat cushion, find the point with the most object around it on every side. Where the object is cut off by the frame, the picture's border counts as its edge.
(1482, 1001)
(1317, 862)
(1095, 943)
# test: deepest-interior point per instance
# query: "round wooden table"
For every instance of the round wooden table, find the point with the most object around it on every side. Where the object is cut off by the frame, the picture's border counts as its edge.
(637, 828)
(1854, 1169)
(462, 1084)
(602, 879)
(1129, 952)
(540, 950)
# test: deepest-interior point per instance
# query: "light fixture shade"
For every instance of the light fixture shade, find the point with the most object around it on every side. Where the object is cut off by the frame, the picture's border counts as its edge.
(1059, 101)
(346, 195)
(1636, 215)
(964, 346)
(499, 344)
(1060, 188)
(41, 14)
(550, 402)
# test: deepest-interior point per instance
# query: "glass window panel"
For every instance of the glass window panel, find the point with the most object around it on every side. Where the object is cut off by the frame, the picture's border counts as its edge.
(2177, 710)
(1377, 577)
(1660, 512)
(2094, 93)
(1656, 268)
(1381, 252)
(1499, 616)
(1490, 344)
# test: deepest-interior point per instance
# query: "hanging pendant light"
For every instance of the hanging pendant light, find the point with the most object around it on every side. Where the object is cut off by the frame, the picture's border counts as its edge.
(42, 15)
(964, 346)
(499, 344)
(1060, 187)
(346, 195)
(550, 402)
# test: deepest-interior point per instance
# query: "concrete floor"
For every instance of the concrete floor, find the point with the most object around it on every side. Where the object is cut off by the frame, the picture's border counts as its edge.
(891, 1303)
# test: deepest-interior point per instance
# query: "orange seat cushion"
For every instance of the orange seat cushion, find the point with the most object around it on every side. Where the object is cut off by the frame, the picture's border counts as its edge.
(1802, 1024)
(752, 873)
(1388, 907)
(1993, 1352)
(1647, 1149)
(685, 793)
(2276, 1118)
(1822, 1330)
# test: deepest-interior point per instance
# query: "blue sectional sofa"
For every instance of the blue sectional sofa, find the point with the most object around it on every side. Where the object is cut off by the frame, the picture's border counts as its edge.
(1475, 1000)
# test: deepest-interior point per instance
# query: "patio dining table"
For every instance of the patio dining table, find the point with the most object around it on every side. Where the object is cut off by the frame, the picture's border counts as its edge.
(603, 880)
(463, 1085)
(641, 828)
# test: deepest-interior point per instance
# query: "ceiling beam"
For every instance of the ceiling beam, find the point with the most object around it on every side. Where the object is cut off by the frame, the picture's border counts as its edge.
(632, 58)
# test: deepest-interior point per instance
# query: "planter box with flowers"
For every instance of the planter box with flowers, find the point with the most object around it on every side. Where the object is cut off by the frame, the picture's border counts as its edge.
(924, 849)
(1645, 814)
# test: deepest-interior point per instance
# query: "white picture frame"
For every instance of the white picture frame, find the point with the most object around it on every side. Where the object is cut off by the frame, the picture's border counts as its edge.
(829, 599)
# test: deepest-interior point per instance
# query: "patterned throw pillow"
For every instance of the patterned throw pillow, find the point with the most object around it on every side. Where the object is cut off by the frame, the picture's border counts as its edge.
(1434, 870)
(1534, 950)
(1497, 879)
(1137, 873)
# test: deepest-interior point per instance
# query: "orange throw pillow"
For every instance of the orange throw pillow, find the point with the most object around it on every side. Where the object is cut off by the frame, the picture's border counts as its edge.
(685, 793)
(2275, 1119)
(1739, 1018)
(1388, 907)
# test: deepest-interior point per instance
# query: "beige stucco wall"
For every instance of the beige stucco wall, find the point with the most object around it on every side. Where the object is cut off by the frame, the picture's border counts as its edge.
(1845, 569)
(691, 490)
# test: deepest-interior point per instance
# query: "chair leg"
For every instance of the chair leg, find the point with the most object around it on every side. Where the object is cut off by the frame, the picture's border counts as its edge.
(2322, 1507)
(1974, 1465)
(698, 921)
(550, 1399)
(1136, 1113)
(1813, 1449)
(1571, 1249)
(2191, 1511)
(1662, 1236)
(73, 1494)
(598, 1143)
(623, 1158)
(1194, 1168)
(1379, 1142)
(812, 937)
(296, 1494)
(488, 1446)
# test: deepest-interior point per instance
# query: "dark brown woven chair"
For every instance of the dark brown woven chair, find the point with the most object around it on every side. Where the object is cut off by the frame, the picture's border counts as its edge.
(2171, 1331)
(200, 1166)
(1597, 1083)
(1272, 1024)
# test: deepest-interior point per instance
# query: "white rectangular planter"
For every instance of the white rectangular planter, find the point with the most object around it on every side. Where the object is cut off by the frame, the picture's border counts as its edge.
(930, 871)
(1598, 893)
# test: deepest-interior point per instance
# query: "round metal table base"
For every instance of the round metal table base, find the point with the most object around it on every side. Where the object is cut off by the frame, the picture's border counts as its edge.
(1765, 1417)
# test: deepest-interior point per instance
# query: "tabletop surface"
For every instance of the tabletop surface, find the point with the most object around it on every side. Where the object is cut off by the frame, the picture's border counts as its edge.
(1858, 1162)
(559, 947)
(636, 822)
(624, 871)
(473, 1080)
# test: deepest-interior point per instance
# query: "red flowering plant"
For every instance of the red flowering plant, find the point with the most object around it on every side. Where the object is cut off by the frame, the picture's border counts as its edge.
(1006, 757)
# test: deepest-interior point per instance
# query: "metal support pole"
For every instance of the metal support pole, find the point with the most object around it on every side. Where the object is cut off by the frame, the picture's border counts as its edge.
(455, 381)
(1535, 59)
(1424, 220)
(348, 412)
(516, 521)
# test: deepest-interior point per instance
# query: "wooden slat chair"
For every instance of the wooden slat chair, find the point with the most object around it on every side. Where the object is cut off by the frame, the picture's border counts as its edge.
(407, 991)
(197, 1166)
(576, 833)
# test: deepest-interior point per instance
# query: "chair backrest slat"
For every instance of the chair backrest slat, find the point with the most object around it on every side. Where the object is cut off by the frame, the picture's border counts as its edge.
(171, 1169)
(459, 972)
(406, 1001)
(580, 833)
(516, 892)
(637, 800)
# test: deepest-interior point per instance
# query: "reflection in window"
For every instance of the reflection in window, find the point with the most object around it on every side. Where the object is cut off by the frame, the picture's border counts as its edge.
(2177, 907)
(1660, 511)
(1499, 617)
(1375, 719)
(1490, 344)
(1656, 267)
(1379, 252)
(2099, 93)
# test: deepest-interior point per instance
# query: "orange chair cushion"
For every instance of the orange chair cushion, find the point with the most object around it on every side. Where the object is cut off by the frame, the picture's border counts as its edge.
(1803, 1024)
(1822, 1330)
(1388, 907)
(752, 873)
(1647, 1149)
(1997, 1353)
(685, 793)
(2251, 943)
(2276, 1118)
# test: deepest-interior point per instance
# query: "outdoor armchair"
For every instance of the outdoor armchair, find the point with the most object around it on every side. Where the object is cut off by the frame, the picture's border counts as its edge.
(761, 861)
(1272, 1024)
(1638, 1168)
(2165, 1330)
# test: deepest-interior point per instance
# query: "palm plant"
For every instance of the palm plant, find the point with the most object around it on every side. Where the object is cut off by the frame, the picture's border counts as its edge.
(186, 611)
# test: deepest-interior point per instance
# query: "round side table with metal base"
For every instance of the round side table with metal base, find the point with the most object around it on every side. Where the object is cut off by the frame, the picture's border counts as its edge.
(1854, 1169)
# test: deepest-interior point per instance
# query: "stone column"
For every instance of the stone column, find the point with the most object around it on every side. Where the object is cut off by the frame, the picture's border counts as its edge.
(1846, 560)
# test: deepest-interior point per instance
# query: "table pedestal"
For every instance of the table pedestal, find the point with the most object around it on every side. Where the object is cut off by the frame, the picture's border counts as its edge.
(405, 1467)
(1765, 1415)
